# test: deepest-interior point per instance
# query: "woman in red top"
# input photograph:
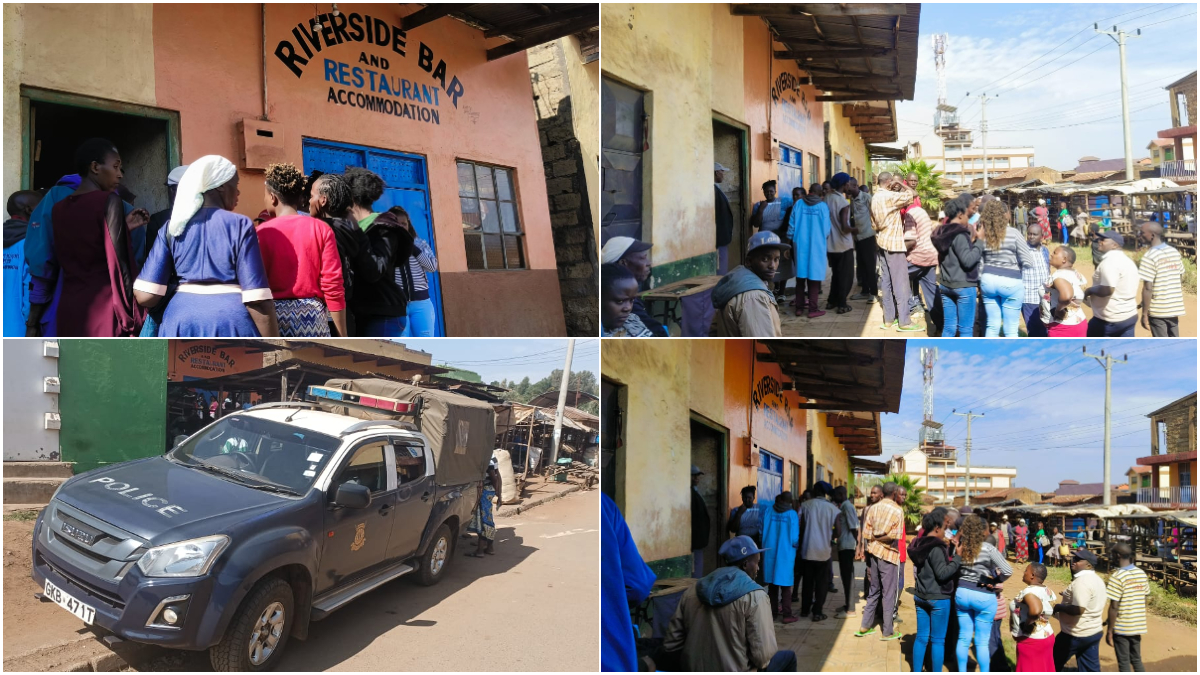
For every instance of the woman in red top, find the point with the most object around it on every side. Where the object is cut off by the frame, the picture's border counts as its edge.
(301, 258)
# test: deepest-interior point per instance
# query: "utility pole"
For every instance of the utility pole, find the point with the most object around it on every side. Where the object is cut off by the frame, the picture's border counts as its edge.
(1107, 361)
(562, 401)
(1119, 36)
(969, 415)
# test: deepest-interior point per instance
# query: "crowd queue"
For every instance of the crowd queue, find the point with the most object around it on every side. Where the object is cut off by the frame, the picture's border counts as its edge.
(726, 620)
(81, 260)
(941, 268)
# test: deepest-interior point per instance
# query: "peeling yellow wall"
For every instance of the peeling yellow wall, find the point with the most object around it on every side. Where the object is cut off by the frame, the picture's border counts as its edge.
(110, 48)
(845, 141)
(727, 63)
(656, 460)
(666, 51)
(827, 450)
(707, 374)
(585, 111)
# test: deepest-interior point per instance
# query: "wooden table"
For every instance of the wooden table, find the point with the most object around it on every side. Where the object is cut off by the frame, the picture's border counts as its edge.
(672, 294)
(1184, 242)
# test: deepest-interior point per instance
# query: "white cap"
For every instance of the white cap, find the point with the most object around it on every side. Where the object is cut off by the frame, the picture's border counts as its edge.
(717, 166)
(176, 174)
(615, 248)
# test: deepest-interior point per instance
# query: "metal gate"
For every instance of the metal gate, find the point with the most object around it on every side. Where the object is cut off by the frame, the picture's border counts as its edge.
(621, 138)
(770, 475)
(406, 184)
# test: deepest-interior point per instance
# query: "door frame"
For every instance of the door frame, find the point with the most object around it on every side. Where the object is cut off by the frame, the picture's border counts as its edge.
(740, 228)
(426, 189)
(29, 95)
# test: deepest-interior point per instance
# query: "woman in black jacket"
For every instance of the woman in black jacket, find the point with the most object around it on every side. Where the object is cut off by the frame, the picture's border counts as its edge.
(380, 306)
(960, 252)
(935, 571)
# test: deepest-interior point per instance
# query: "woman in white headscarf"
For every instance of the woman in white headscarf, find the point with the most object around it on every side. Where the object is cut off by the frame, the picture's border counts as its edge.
(213, 255)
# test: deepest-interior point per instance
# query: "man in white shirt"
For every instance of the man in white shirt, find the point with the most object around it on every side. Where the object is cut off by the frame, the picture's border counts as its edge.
(1114, 290)
(817, 517)
(1081, 615)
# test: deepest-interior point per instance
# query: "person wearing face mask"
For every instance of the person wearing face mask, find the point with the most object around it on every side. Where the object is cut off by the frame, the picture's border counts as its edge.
(93, 248)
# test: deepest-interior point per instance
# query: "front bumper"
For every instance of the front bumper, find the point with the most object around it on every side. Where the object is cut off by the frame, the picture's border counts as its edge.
(124, 605)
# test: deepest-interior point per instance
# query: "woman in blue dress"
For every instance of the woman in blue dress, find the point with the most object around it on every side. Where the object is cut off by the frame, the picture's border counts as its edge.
(214, 256)
(483, 521)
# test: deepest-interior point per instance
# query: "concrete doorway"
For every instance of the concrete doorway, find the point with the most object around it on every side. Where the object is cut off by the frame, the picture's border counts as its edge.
(728, 150)
(57, 129)
(708, 453)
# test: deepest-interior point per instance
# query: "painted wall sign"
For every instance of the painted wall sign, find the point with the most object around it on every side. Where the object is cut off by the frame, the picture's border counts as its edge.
(774, 409)
(792, 100)
(204, 360)
(366, 83)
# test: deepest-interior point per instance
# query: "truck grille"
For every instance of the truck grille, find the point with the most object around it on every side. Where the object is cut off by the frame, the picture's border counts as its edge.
(96, 591)
(89, 549)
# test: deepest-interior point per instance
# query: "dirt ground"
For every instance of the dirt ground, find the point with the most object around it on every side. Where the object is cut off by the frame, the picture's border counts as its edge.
(529, 607)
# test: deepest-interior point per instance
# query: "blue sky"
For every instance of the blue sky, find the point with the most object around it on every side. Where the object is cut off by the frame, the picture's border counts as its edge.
(991, 47)
(509, 358)
(1043, 403)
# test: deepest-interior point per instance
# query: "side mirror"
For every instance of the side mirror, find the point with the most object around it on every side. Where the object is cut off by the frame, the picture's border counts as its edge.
(353, 495)
(179, 440)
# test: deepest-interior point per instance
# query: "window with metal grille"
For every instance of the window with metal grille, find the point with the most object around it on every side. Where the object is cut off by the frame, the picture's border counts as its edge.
(491, 226)
(813, 175)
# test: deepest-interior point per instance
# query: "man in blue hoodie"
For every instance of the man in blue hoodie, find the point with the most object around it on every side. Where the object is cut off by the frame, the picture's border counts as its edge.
(16, 272)
(625, 578)
(723, 623)
(744, 303)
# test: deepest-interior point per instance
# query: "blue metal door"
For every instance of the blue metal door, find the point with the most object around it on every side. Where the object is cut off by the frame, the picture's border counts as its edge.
(770, 475)
(406, 184)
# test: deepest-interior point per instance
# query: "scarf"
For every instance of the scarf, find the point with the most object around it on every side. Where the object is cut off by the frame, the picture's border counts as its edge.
(202, 175)
(944, 236)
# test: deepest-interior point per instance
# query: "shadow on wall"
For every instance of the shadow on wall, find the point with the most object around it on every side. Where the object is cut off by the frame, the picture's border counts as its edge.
(571, 222)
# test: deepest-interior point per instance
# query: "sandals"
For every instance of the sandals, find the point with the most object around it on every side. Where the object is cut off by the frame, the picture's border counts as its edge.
(844, 309)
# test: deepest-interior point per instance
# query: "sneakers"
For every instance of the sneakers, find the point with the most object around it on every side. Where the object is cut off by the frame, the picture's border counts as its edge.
(791, 619)
(871, 299)
(894, 636)
(815, 313)
(859, 296)
(843, 614)
(863, 633)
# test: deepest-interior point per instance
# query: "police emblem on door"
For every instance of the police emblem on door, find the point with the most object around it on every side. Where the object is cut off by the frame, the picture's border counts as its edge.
(360, 537)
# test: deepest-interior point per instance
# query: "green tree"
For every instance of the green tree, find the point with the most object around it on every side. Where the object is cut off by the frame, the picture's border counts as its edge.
(912, 502)
(929, 186)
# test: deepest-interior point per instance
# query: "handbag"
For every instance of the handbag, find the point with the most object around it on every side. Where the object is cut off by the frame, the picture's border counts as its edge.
(1043, 541)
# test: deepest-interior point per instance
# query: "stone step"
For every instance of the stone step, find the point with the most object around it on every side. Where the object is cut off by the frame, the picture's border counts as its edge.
(39, 469)
(30, 490)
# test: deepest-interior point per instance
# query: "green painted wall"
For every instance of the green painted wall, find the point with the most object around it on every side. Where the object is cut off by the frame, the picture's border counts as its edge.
(668, 273)
(672, 568)
(113, 400)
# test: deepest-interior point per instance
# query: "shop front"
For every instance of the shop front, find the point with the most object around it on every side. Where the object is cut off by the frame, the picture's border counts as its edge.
(438, 106)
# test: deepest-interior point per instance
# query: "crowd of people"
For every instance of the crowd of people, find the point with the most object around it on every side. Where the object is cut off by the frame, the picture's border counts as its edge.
(783, 550)
(81, 260)
(974, 268)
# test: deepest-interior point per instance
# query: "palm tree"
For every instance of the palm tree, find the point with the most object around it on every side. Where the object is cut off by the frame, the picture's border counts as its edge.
(929, 187)
(912, 500)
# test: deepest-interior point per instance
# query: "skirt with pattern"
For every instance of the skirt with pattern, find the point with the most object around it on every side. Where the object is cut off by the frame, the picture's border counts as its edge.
(302, 317)
(482, 521)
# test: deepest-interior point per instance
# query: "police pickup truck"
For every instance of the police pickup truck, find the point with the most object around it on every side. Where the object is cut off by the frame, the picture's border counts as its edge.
(267, 519)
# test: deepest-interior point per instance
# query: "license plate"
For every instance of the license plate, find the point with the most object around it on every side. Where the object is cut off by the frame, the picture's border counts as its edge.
(64, 600)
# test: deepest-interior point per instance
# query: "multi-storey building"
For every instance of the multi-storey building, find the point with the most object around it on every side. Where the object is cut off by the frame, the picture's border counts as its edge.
(934, 466)
(1172, 459)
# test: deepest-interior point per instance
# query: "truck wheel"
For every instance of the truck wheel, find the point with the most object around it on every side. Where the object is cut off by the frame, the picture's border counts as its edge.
(258, 632)
(437, 558)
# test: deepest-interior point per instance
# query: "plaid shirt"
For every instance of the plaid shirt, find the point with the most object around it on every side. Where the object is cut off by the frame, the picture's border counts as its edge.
(884, 519)
(889, 227)
(1035, 276)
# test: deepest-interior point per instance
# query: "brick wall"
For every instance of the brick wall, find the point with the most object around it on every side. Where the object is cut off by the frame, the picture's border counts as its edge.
(570, 213)
(1181, 428)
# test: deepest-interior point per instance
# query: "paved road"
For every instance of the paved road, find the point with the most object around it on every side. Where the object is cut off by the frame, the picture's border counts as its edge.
(530, 607)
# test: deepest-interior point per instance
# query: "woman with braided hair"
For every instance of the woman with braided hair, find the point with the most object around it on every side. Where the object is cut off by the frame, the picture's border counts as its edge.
(330, 200)
(300, 254)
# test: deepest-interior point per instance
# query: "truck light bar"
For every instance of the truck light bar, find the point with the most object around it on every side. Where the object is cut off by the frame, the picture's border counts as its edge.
(362, 400)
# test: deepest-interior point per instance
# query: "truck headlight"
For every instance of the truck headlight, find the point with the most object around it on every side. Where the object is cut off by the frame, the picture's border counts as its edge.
(191, 558)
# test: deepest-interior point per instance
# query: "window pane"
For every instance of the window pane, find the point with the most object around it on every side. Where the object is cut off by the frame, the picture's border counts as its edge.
(470, 213)
(367, 468)
(483, 178)
(513, 252)
(504, 184)
(410, 463)
(474, 251)
(466, 180)
(493, 251)
(491, 216)
(508, 217)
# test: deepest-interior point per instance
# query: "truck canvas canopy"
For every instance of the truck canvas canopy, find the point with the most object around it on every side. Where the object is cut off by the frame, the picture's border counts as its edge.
(461, 430)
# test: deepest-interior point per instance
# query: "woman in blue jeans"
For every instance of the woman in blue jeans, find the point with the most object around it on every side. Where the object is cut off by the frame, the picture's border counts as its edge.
(975, 599)
(934, 571)
(1005, 253)
(960, 252)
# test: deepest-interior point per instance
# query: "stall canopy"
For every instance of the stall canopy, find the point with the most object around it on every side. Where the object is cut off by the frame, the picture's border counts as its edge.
(524, 25)
(854, 52)
(461, 431)
(857, 375)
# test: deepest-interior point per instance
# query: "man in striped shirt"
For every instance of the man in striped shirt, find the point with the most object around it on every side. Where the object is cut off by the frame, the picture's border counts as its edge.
(881, 533)
(1161, 272)
(1034, 277)
(1128, 588)
(886, 204)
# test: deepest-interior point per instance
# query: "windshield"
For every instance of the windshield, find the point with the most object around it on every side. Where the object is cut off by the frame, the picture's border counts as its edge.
(259, 452)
